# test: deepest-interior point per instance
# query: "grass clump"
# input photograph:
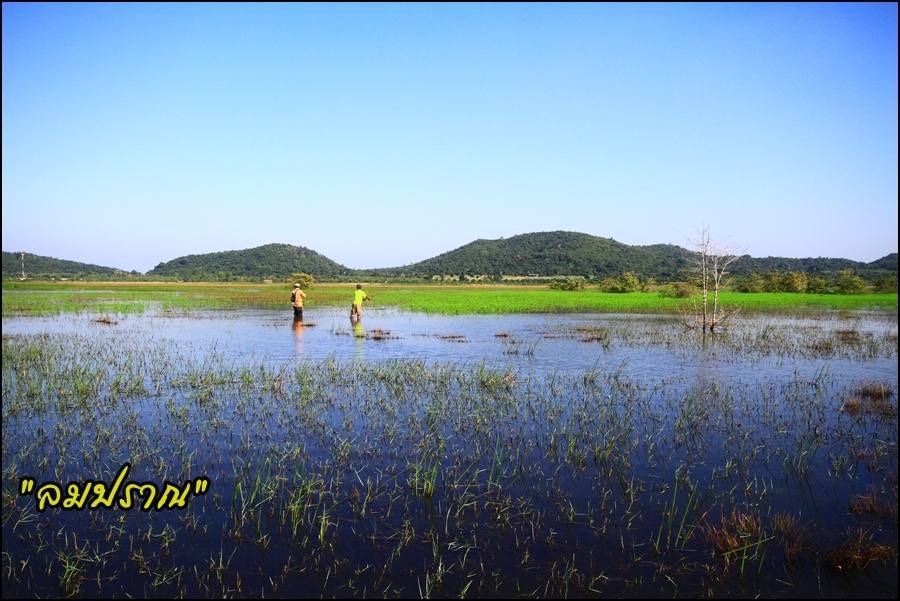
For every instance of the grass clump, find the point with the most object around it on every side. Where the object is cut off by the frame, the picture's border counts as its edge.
(857, 552)
(875, 390)
(733, 532)
(738, 537)
(871, 398)
(871, 503)
(792, 535)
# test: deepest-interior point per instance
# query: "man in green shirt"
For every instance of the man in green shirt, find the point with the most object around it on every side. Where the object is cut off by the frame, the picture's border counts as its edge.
(356, 309)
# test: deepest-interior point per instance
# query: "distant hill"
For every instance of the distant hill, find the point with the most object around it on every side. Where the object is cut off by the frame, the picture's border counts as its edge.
(574, 253)
(887, 262)
(556, 253)
(816, 266)
(269, 261)
(37, 266)
(552, 253)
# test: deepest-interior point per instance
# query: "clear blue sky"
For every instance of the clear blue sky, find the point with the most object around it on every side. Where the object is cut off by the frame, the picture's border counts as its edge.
(383, 135)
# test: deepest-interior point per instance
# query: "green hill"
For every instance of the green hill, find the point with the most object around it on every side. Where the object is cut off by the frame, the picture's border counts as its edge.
(887, 263)
(574, 253)
(818, 265)
(270, 261)
(552, 253)
(543, 253)
(37, 266)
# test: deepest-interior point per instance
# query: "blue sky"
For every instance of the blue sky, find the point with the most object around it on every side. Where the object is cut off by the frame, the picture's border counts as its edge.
(383, 135)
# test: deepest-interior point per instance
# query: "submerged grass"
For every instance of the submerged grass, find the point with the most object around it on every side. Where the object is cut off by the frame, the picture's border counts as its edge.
(857, 551)
(404, 478)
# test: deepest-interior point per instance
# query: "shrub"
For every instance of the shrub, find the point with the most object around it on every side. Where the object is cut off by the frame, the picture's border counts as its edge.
(773, 282)
(886, 283)
(754, 282)
(304, 279)
(794, 281)
(567, 284)
(848, 282)
(609, 285)
(627, 282)
(817, 285)
(678, 290)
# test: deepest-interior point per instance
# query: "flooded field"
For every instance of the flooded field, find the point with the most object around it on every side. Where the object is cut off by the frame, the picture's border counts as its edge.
(435, 456)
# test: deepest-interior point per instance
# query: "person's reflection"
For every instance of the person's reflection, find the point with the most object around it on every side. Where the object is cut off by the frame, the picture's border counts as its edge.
(358, 334)
(358, 331)
(298, 335)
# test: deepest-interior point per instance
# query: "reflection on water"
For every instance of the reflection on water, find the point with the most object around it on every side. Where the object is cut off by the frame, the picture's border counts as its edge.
(358, 331)
(298, 330)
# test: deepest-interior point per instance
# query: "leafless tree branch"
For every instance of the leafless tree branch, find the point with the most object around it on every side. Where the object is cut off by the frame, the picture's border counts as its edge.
(712, 264)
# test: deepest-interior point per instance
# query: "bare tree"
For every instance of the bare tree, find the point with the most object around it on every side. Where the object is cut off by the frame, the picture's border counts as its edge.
(712, 265)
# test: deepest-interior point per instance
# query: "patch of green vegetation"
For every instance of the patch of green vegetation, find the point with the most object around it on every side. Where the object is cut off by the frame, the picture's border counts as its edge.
(48, 298)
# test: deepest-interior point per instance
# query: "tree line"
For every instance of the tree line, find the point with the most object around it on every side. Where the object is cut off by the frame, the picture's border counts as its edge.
(844, 281)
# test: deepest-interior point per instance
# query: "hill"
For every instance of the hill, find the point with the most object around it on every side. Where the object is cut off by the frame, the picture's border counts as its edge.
(887, 263)
(277, 261)
(38, 266)
(818, 265)
(552, 253)
(573, 253)
(558, 253)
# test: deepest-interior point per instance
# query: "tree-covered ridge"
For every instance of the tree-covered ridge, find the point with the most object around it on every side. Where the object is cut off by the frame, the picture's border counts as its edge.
(552, 253)
(556, 253)
(572, 253)
(748, 264)
(268, 261)
(887, 263)
(37, 266)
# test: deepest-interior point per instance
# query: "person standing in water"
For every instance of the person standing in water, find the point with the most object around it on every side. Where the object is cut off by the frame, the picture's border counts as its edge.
(356, 308)
(297, 297)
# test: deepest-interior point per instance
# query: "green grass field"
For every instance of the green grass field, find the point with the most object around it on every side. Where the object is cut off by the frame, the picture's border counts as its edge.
(48, 298)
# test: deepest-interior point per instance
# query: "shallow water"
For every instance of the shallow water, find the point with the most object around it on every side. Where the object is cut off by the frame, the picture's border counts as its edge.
(573, 454)
(645, 347)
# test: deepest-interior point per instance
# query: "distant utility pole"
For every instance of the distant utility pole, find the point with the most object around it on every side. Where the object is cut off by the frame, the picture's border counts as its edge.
(23, 264)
